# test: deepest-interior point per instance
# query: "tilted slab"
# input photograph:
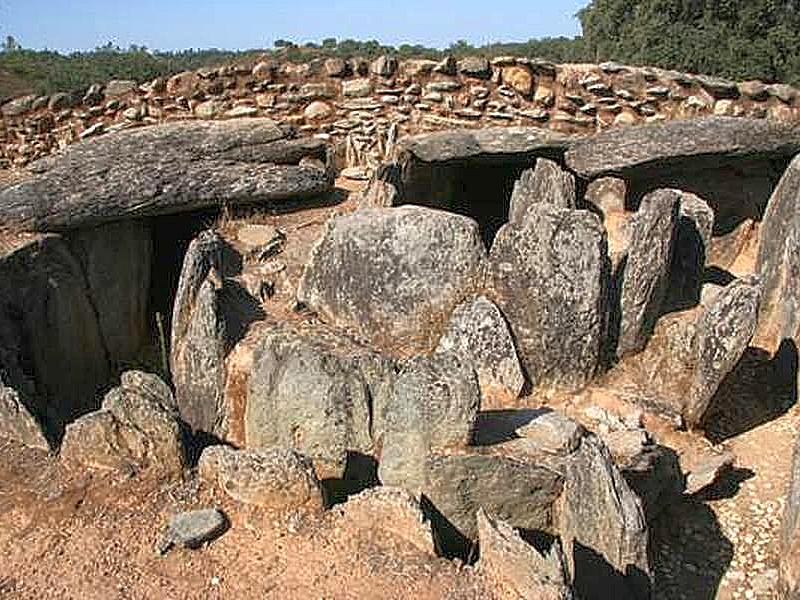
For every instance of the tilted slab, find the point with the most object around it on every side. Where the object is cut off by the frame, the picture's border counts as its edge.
(618, 151)
(167, 169)
(462, 144)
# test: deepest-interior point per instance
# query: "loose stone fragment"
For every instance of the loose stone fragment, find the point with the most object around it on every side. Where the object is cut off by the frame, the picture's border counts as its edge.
(193, 529)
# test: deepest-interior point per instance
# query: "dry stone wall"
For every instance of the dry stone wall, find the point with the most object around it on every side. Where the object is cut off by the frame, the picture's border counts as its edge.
(366, 105)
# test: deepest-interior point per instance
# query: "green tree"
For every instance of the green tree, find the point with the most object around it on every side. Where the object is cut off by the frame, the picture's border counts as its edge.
(11, 44)
(735, 38)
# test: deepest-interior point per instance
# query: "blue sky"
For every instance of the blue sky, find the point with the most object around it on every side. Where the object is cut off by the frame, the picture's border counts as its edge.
(177, 24)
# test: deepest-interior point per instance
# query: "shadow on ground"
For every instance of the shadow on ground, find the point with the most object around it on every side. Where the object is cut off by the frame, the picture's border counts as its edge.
(690, 552)
(760, 389)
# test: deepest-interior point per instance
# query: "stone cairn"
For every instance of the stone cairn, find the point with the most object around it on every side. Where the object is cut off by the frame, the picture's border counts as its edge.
(364, 106)
(482, 273)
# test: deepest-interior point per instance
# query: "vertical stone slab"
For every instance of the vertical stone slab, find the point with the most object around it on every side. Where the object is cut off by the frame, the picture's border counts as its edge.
(511, 562)
(723, 333)
(307, 395)
(198, 337)
(646, 271)
(45, 289)
(116, 259)
(603, 528)
(478, 331)
(17, 423)
(778, 250)
(394, 275)
(547, 183)
(692, 246)
(549, 276)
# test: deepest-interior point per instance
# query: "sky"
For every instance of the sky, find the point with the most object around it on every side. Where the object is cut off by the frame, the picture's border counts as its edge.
(67, 25)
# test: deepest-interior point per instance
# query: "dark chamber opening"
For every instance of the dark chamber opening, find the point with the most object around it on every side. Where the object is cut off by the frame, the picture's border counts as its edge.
(737, 190)
(484, 193)
(479, 188)
(171, 235)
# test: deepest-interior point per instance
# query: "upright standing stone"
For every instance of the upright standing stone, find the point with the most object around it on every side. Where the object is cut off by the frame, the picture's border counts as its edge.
(305, 395)
(603, 528)
(116, 259)
(646, 271)
(434, 402)
(199, 337)
(547, 183)
(17, 423)
(549, 276)
(692, 245)
(778, 253)
(478, 331)
(511, 562)
(723, 334)
(394, 275)
(54, 320)
(132, 431)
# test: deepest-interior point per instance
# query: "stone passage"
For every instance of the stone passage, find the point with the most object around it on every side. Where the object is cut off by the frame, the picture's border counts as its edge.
(417, 355)
(79, 304)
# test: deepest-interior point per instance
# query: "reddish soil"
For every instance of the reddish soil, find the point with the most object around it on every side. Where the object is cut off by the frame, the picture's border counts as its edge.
(77, 535)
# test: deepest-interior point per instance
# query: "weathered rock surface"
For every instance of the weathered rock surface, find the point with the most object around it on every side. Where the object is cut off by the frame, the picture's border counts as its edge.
(198, 347)
(392, 511)
(552, 432)
(547, 183)
(603, 527)
(607, 194)
(192, 529)
(692, 247)
(513, 564)
(49, 317)
(132, 431)
(647, 268)
(478, 331)
(394, 275)
(503, 482)
(707, 473)
(312, 393)
(723, 334)
(652, 471)
(549, 276)
(445, 146)
(17, 423)
(776, 264)
(117, 259)
(166, 169)
(475, 66)
(433, 405)
(277, 480)
(617, 151)
(151, 386)
(691, 352)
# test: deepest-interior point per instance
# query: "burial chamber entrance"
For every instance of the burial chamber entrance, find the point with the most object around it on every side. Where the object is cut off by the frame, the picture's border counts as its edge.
(171, 235)
(78, 309)
(478, 187)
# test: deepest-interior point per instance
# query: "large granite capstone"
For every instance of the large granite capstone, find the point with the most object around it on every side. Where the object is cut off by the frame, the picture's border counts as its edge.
(621, 150)
(165, 169)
